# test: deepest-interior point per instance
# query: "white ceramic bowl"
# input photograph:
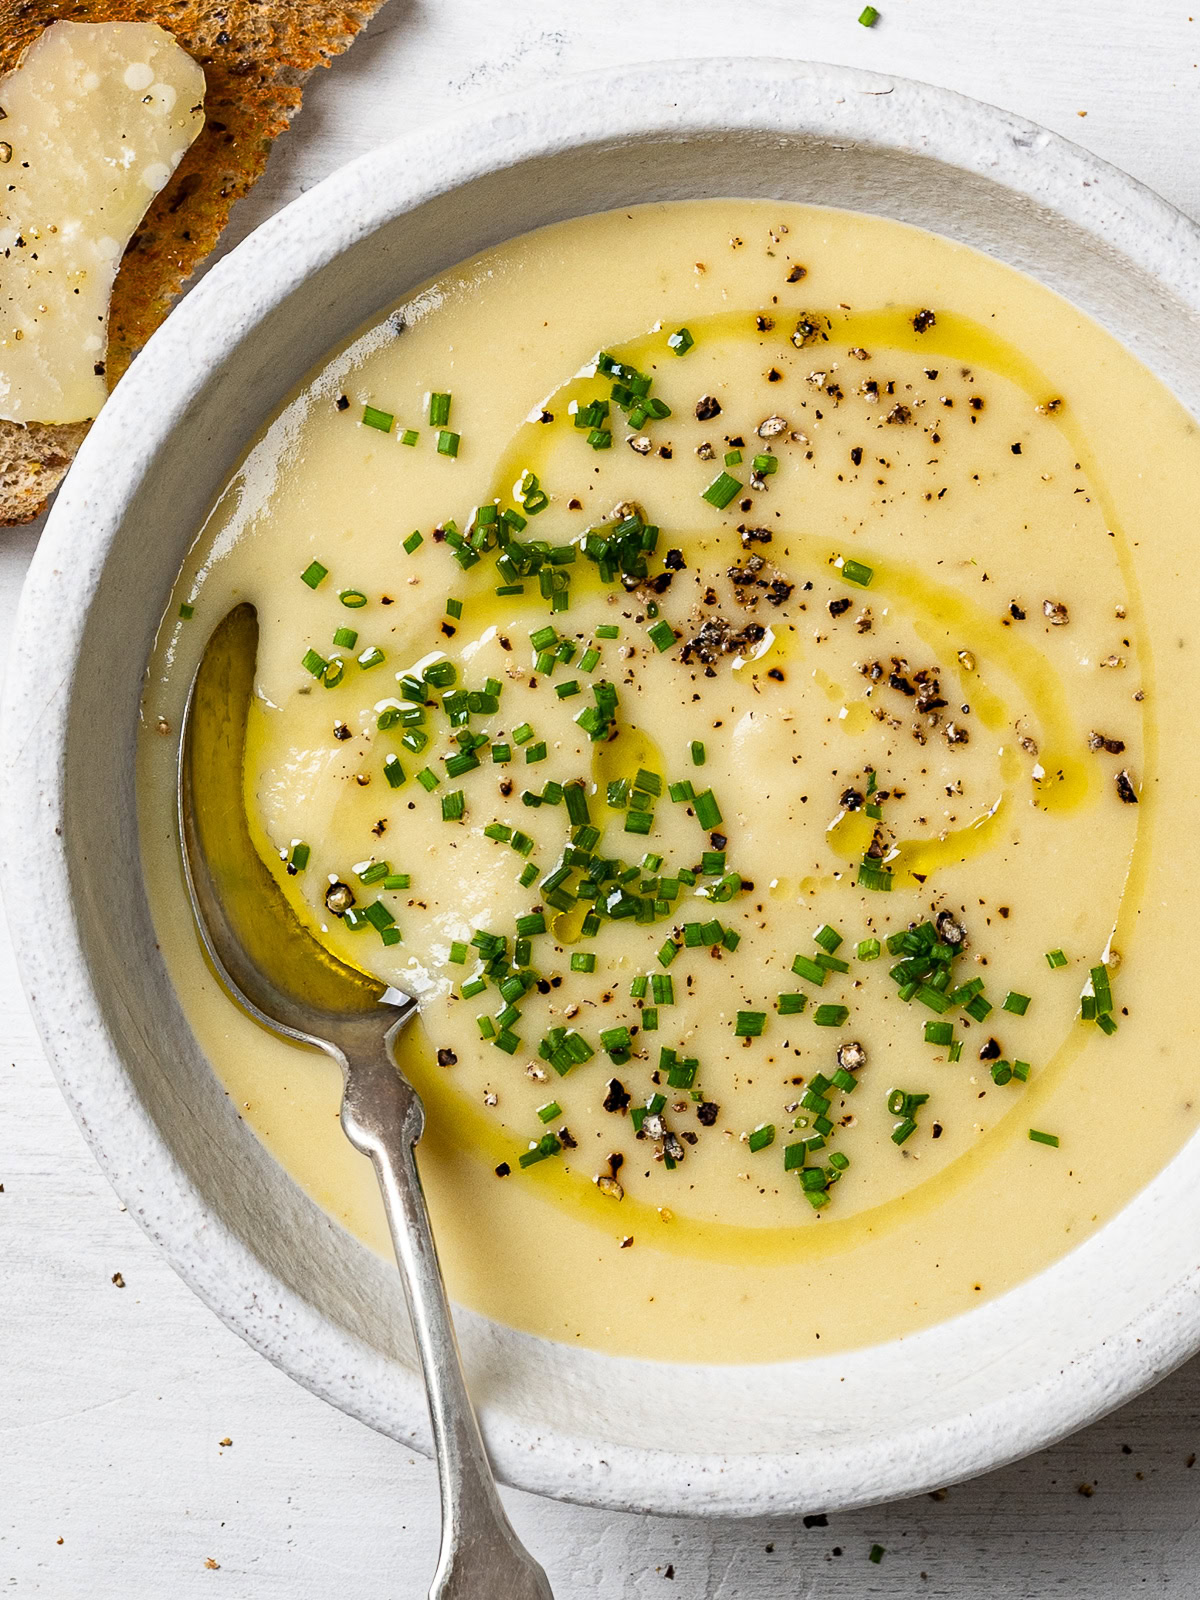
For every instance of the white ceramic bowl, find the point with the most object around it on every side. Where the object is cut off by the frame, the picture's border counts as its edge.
(1015, 1373)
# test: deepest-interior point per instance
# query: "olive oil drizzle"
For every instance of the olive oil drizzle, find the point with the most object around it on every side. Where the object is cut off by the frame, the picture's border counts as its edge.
(947, 621)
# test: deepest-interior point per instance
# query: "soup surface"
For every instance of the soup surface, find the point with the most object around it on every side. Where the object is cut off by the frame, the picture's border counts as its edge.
(728, 660)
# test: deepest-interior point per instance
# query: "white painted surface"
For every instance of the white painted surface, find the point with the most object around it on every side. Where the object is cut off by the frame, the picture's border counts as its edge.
(115, 1400)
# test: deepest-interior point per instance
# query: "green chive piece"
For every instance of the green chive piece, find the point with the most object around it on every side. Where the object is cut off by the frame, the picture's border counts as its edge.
(439, 410)
(830, 1016)
(733, 458)
(415, 538)
(608, 630)
(298, 855)
(762, 1136)
(805, 967)
(1055, 958)
(454, 805)
(409, 436)
(667, 953)
(583, 961)
(1018, 1004)
(314, 663)
(708, 812)
(790, 1005)
(345, 638)
(828, 938)
(855, 572)
(313, 574)
(698, 753)
(448, 443)
(373, 418)
(749, 1025)
(663, 634)
(548, 1112)
(1044, 1138)
(393, 771)
(941, 1033)
(876, 1551)
(187, 612)
(765, 465)
(680, 341)
(868, 950)
(721, 491)
(428, 779)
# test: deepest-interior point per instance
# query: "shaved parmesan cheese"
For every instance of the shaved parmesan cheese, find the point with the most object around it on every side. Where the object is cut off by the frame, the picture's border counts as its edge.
(93, 121)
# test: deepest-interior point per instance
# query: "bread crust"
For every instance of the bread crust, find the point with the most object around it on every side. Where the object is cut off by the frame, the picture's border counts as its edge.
(256, 55)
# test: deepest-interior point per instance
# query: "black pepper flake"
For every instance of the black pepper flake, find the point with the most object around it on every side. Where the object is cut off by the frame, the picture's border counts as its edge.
(1016, 449)
(819, 1521)
(838, 608)
(343, 402)
(673, 561)
(707, 407)
(797, 273)
(447, 1058)
(1098, 741)
(923, 321)
(856, 455)
(1015, 612)
(503, 1170)
(618, 1097)
(1125, 787)
(707, 1112)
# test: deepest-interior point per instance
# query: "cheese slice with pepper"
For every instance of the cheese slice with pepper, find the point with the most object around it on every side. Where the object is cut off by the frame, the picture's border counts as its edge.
(93, 121)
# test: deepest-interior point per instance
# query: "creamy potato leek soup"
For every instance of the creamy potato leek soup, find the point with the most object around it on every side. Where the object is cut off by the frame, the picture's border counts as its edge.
(728, 661)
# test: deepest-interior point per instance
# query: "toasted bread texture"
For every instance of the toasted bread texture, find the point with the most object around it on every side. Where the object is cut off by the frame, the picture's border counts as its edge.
(256, 55)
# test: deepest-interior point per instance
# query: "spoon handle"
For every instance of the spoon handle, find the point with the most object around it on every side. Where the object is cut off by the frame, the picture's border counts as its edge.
(481, 1557)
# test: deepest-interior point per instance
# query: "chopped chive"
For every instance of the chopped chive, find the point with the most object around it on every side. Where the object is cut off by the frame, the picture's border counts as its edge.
(663, 634)
(536, 752)
(1018, 1004)
(1044, 1138)
(548, 1112)
(855, 572)
(830, 1016)
(941, 1033)
(523, 734)
(608, 630)
(447, 443)
(313, 574)
(749, 1024)
(698, 754)
(501, 752)
(805, 967)
(680, 341)
(1055, 958)
(762, 1136)
(454, 608)
(790, 1005)
(765, 465)
(454, 805)
(373, 418)
(187, 612)
(415, 538)
(867, 949)
(667, 953)
(409, 436)
(428, 779)
(533, 922)
(371, 871)
(903, 1130)
(721, 491)
(828, 938)
(527, 875)
(314, 663)
(978, 1007)
(393, 771)
(708, 812)
(583, 961)
(876, 1552)
(298, 855)
(733, 458)
(439, 410)
(371, 657)
(564, 691)
(345, 638)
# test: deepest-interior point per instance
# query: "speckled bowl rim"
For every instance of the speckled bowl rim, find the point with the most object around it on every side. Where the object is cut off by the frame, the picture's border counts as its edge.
(676, 101)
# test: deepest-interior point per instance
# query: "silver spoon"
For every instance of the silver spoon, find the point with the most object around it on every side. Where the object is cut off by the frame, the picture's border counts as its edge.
(288, 981)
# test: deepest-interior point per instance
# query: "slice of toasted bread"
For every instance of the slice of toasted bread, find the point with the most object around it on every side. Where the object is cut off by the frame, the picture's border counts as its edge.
(256, 55)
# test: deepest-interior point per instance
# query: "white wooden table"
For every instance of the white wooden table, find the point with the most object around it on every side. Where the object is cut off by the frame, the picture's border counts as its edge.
(117, 1404)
